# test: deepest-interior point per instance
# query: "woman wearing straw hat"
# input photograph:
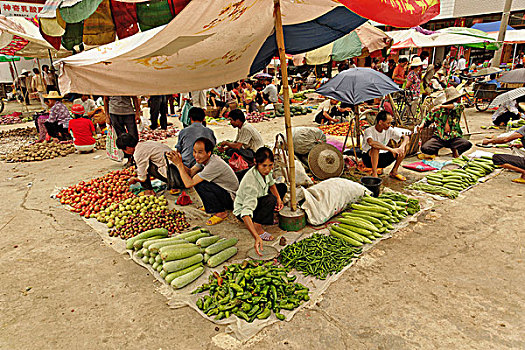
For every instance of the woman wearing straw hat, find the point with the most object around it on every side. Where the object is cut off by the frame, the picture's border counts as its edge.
(58, 122)
(446, 116)
(414, 78)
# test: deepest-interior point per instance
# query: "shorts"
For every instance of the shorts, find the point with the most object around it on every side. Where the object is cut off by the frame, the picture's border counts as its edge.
(385, 159)
(85, 148)
(517, 161)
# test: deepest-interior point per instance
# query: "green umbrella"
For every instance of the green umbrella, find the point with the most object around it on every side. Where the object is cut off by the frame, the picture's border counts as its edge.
(489, 45)
(5, 58)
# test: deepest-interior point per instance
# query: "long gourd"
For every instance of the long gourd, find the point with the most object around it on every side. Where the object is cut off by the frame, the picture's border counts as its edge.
(186, 279)
(177, 254)
(156, 246)
(207, 241)
(146, 234)
(219, 258)
(171, 276)
(137, 245)
(147, 244)
(221, 245)
(190, 233)
(176, 265)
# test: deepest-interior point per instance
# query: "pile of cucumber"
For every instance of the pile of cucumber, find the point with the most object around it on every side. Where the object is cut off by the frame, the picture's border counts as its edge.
(180, 259)
(449, 183)
(370, 219)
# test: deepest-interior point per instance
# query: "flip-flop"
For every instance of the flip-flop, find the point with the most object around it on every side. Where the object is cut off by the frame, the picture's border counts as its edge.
(519, 180)
(398, 177)
(202, 208)
(482, 145)
(214, 220)
(175, 191)
(266, 236)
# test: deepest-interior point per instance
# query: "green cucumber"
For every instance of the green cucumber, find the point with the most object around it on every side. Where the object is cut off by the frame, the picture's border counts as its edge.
(222, 256)
(194, 238)
(186, 279)
(207, 241)
(371, 219)
(373, 208)
(371, 213)
(221, 245)
(359, 230)
(156, 246)
(345, 238)
(388, 225)
(361, 223)
(177, 254)
(378, 201)
(146, 234)
(350, 233)
(139, 242)
(177, 265)
(171, 276)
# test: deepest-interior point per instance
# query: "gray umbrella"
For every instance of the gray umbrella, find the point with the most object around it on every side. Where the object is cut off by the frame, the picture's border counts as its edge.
(516, 76)
(508, 96)
(356, 85)
(486, 71)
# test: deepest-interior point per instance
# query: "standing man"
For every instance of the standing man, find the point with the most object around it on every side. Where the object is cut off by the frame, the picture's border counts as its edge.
(49, 78)
(462, 63)
(123, 114)
(158, 104)
(446, 117)
(37, 84)
(24, 81)
(509, 161)
(198, 99)
(248, 139)
(213, 179)
(376, 153)
(192, 133)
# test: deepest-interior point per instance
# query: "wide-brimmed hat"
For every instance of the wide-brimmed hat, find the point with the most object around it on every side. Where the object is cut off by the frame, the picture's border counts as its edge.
(24, 71)
(77, 109)
(450, 94)
(53, 95)
(416, 62)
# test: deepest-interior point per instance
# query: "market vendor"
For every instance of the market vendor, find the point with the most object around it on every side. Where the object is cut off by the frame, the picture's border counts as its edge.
(190, 134)
(377, 153)
(59, 116)
(248, 139)
(150, 160)
(248, 97)
(82, 130)
(270, 92)
(212, 178)
(509, 161)
(506, 111)
(446, 117)
(259, 197)
(325, 112)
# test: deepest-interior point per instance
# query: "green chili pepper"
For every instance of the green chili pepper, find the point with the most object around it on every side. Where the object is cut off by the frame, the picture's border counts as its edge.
(265, 314)
(280, 316)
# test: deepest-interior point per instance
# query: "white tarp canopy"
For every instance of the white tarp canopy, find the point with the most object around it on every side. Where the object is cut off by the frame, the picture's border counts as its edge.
(208, 44)
(37, 46)
(433, 40)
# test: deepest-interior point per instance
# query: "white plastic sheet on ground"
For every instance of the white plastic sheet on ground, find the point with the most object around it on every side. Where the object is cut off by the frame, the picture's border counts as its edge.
(242, 330)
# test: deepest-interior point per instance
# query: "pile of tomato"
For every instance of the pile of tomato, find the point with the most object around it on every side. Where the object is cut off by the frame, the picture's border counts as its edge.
(340, 129)
(90, 197)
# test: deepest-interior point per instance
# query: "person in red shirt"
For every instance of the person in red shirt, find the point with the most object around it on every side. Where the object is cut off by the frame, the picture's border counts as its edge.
(399, 75)
(82, 130)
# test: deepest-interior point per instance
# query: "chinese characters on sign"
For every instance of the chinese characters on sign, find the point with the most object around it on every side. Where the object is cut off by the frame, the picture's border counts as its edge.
(22, 9)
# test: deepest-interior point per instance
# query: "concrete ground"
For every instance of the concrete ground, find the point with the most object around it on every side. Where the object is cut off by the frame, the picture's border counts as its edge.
(453, 280)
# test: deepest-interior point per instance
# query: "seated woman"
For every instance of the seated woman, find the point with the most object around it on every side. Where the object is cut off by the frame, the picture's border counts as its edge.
(58, 121)
(258, 197)
(82, 130)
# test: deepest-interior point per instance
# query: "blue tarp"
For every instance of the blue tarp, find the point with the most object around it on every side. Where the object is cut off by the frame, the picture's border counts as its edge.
(489, 26)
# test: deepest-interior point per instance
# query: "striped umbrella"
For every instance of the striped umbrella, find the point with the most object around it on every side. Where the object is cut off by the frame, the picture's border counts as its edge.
(507, 97)
(516, 76)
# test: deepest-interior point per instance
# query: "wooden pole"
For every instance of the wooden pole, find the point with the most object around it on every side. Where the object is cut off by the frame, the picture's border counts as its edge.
(279, 36)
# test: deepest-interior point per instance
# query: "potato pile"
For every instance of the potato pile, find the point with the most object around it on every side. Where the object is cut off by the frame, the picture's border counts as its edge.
(40, 151)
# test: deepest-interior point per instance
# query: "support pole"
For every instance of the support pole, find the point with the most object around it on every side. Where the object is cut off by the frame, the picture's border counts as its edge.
(279, 36)
(514, 55)
(496, 61)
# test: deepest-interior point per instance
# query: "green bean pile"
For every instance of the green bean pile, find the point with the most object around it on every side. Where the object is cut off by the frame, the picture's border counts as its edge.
(318, 255)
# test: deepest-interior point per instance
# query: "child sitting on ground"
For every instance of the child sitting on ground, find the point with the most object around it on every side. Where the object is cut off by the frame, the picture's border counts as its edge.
(82, 130)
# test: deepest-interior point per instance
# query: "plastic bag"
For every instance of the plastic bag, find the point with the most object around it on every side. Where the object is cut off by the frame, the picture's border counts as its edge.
(184, 199)
(184, 115)
(237, 162)
(301, 178)
(111, 146)
(328, 198)
(305, 138)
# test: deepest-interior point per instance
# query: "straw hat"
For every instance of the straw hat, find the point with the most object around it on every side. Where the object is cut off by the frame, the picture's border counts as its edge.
(53, 95)
(77, 109)
(24, 71)
(450, 94)
(416, 62)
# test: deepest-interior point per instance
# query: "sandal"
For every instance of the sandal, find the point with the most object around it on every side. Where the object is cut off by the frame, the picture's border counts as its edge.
(398, 177)
(214, 220)
(519, 180)
(266, 236)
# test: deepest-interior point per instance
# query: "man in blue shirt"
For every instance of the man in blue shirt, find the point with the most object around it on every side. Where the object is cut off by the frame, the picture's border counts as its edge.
(190, 134)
